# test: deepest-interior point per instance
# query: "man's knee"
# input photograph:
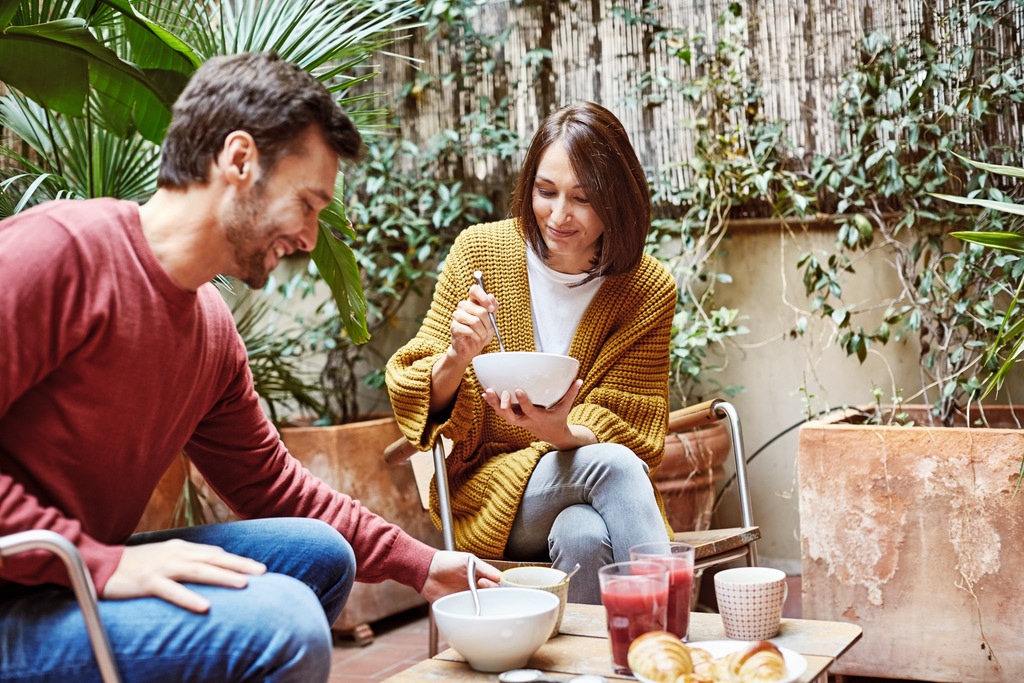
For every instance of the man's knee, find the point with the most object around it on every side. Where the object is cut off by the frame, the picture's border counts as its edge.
(286, 629)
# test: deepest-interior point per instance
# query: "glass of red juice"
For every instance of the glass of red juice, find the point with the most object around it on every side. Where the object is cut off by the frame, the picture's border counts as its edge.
(635, 596)
(678, 559)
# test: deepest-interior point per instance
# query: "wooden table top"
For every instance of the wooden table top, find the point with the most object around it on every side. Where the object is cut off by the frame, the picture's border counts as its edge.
(582, 647)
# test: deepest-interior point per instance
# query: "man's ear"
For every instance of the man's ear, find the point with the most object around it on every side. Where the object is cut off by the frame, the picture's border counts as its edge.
(238, 161)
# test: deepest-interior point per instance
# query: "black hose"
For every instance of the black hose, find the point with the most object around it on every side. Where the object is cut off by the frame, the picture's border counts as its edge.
(729, 482)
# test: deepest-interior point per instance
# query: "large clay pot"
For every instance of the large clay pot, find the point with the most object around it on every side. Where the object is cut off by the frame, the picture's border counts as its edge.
(915, 535)
(689, 475)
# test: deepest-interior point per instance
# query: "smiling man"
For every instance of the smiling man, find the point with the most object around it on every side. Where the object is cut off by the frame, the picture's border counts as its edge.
(119, 354)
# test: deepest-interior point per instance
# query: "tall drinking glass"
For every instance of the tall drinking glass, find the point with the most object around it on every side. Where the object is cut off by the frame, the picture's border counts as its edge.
(677, 558)
(635, 596)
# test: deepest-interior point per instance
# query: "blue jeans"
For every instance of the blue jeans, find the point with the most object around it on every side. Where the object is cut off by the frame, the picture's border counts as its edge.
(589, 506)
(276, 629)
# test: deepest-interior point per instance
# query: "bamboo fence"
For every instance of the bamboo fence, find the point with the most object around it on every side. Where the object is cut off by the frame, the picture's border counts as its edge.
(796, 52)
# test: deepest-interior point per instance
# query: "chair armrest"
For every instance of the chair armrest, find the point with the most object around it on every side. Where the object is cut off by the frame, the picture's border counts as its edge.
(694, 416)
(400, 451)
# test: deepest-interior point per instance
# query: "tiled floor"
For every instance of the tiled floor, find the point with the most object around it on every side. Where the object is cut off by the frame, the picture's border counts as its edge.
(401, 641)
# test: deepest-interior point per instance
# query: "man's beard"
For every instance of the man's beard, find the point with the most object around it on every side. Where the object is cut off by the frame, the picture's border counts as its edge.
(246, 232)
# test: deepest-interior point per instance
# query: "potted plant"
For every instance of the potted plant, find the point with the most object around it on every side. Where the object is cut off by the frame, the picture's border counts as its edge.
(908, 520)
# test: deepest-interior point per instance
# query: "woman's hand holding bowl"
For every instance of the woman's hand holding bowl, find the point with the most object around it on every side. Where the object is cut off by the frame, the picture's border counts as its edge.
(548, 424)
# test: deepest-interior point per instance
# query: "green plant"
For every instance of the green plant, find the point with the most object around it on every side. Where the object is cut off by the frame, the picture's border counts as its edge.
(1005, 348)
(93, 80)
(406, 214)
(902, 111)
(739, 168)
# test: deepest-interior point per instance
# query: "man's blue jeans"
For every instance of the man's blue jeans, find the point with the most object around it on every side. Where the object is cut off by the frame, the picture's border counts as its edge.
(276, 629)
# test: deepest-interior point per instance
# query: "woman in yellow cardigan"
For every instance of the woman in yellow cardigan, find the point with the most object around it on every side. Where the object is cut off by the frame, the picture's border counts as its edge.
(570, 482)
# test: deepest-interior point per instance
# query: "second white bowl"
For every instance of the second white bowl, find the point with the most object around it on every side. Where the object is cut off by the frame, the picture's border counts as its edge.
(513, 623)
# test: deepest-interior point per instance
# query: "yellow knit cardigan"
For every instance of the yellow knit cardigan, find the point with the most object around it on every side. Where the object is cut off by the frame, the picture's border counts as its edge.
(622, 344)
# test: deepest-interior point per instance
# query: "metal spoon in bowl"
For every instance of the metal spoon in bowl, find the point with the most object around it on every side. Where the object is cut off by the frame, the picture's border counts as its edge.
(471, 575)
(479, 277)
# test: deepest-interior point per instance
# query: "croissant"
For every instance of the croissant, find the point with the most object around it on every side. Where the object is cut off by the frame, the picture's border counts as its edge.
(761, 663)
(703, 664)
(659, 656)
(695, 678)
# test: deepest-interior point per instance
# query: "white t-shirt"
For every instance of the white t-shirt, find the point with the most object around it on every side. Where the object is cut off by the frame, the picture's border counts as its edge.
(556, 307)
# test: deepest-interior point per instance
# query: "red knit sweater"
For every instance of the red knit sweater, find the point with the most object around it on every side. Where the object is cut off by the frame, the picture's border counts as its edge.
(108, 370)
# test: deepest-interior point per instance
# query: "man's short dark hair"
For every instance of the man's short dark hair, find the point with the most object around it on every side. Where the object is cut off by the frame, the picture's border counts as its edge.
(259, 93)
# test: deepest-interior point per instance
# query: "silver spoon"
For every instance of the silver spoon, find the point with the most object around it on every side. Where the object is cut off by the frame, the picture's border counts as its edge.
(479, 277)
(571, 572)
(471, 575)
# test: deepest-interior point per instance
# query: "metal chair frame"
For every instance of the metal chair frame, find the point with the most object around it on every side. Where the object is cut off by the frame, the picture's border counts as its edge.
(81, 584)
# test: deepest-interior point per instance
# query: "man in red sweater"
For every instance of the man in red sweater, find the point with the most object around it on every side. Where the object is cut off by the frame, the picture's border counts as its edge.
(118, 354)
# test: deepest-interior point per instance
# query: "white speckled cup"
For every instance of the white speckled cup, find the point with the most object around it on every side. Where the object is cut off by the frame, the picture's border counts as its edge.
(546, 579)
(750, 600)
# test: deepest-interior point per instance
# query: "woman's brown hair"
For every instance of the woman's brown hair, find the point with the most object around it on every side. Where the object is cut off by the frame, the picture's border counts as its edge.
(607, 168)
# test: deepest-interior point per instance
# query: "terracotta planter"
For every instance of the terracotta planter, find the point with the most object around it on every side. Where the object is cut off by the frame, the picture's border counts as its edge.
(913, 533)
(159, 511)
(689, 475)
(350, 458)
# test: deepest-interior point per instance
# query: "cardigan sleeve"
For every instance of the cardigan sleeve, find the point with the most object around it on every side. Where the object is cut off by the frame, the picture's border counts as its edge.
(408, 372)
(625, 394)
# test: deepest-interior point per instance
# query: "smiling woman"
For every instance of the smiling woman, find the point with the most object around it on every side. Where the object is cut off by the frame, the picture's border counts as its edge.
(568, 482)
(569, 226)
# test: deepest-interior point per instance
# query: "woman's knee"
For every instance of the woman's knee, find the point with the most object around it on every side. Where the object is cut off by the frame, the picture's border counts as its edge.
(579, 531)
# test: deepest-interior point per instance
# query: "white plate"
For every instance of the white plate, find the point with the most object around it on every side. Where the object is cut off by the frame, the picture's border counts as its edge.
(796, 665)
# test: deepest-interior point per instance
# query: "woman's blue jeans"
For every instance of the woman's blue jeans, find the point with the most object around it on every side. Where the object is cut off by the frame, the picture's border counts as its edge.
(589, 506)
(276, 629)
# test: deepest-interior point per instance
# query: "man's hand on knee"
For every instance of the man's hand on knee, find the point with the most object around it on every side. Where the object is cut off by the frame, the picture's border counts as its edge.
(158, 570)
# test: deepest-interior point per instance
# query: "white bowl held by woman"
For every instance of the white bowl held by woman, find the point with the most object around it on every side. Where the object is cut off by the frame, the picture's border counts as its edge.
(513, 623)
(544, 377)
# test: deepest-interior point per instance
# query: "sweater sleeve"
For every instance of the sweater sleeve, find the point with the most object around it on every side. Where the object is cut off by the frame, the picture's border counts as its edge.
(41, 302)
(244, 460)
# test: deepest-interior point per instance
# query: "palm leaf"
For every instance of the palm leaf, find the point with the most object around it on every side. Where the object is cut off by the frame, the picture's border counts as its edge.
(1008, 207)
(337, 265)
(91, 161)
(1010, 241)
(1012, 171)
(77, 64)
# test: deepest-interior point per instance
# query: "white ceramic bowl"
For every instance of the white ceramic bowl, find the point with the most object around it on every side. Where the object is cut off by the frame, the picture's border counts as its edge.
(513, 623)
(544, 377)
